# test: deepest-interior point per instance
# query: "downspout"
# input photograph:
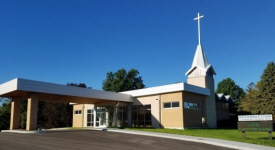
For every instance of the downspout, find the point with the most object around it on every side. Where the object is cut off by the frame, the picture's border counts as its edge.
(83, 113)
(160, 124)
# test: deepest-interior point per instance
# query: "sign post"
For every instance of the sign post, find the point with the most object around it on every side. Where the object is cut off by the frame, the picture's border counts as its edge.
(256, 123)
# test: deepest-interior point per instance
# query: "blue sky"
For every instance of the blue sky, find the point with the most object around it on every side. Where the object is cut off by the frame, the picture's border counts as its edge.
(80, 41)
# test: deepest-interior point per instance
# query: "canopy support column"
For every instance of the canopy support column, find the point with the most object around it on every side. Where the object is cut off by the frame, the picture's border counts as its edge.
(32, 112)
(15, 113)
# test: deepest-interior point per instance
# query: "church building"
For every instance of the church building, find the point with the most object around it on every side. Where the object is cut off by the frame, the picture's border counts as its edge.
(179, 105)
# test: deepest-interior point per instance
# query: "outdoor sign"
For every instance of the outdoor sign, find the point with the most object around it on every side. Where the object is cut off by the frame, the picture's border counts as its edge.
(261, 126)
(255, 117)
(256, 123)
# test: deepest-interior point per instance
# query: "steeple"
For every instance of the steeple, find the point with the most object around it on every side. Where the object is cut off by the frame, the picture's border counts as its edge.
(200, 62)
(201, 74)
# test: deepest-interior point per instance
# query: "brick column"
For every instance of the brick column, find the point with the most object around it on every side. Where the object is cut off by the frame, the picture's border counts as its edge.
(32, 112)
(15, 113)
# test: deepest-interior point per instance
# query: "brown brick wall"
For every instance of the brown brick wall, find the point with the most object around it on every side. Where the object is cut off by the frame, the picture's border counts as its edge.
(193, 117)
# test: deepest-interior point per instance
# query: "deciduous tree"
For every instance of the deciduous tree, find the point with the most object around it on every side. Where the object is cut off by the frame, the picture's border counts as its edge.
(123, 81)
(57, 114)
(229, 87)
(5, 110)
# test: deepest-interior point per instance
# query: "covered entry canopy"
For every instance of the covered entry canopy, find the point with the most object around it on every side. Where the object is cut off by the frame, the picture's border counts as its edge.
(35, 91)
(23, 88)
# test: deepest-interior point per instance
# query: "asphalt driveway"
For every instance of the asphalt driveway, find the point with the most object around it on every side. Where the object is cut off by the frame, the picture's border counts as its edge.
(91, 139)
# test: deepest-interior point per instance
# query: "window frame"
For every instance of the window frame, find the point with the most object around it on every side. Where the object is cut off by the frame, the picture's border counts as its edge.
(171, 105)
(192, 104)
(78, 112)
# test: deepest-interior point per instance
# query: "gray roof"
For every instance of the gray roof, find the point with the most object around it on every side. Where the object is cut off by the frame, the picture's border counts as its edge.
(200, 61)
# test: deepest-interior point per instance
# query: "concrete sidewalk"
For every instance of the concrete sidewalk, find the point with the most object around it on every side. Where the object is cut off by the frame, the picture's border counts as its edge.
(212, 141)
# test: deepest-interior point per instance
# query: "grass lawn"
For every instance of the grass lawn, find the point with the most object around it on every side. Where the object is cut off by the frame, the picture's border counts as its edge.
(260, 138)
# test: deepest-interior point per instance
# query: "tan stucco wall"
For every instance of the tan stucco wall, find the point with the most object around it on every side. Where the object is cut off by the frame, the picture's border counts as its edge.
(193, 117)
(78, 118)
(172, 117)
(86, 107)
(154, 100)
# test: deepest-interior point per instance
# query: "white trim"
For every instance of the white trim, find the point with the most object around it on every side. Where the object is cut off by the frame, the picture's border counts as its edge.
(265, 117)
(177, 87)
(9, 86)
(171, 105)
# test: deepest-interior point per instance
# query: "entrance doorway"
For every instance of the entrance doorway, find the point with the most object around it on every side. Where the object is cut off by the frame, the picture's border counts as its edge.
(100, 116)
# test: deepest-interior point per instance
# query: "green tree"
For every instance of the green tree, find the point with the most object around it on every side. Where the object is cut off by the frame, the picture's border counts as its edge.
(229, 87)
(5, 110)
(23, 113)
(123, 81)
(248, 100)
(57, 114)
(83, 85)
(265, 103)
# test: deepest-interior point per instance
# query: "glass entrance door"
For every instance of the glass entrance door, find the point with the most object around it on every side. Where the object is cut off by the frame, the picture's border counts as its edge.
(102, 117)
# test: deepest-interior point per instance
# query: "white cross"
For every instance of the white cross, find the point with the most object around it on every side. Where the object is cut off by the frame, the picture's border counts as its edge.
(198, 18)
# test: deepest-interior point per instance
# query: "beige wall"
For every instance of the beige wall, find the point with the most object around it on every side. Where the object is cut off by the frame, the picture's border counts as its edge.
(32, 108)
(78, 118)
(154, 100)
(193, 117)
(172, 117)
(86, 107)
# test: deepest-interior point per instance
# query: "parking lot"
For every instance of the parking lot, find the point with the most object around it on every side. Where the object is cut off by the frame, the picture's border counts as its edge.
(91, 139)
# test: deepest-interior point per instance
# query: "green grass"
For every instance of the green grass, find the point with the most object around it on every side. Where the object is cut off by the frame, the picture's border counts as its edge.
(260, 138)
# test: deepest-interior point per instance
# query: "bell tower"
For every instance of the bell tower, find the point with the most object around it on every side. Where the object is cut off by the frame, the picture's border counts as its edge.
(201, 74)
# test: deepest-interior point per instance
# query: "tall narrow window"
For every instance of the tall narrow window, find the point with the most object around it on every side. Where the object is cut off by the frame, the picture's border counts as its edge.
(90, 117)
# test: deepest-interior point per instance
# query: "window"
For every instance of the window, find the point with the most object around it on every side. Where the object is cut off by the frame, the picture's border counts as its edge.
(77, 112)
(175, 104)
(225, 105)
(90, 117)
(191, 105)
(122, 115)
(171, 105)
(141, 116)
(167, 105)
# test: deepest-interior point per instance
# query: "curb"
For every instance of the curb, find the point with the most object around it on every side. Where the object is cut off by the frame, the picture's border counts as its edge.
(23, 131)
(211, 141)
